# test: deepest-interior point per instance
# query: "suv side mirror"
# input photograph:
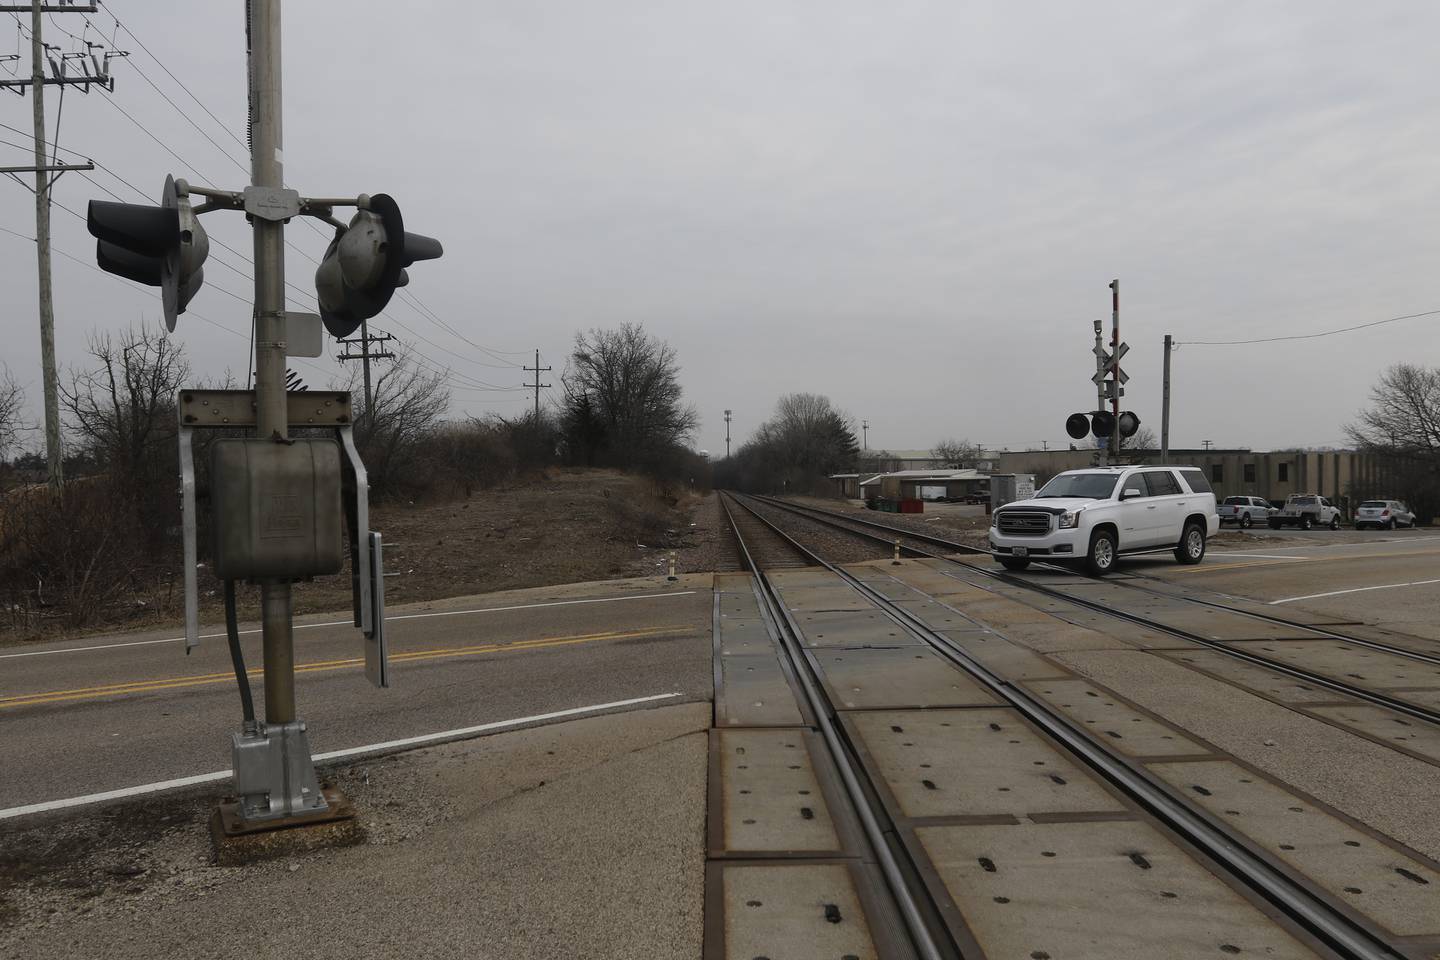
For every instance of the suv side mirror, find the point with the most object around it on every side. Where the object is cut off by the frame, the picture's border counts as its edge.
(1130, 492)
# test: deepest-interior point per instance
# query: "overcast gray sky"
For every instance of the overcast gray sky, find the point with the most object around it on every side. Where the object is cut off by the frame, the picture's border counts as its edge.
(914, 208)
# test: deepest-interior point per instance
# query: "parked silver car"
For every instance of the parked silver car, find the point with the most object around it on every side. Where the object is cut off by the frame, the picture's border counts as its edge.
(1245, 510)
(1383, 515)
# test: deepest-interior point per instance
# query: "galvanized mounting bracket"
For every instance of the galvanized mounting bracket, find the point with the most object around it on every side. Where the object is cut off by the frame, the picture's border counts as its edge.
(274, 775)
(324, 409)
(272, 203)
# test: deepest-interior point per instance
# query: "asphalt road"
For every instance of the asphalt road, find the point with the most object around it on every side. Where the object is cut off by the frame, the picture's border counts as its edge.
(107, 713)
(1390, 578)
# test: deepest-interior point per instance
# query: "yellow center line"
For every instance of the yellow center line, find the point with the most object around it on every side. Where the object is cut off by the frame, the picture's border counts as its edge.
(168, 683)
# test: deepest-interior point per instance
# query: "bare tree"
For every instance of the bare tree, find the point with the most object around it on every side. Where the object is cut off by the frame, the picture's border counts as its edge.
(805, 441)
(623, 401)
(955, 453)
(1404, 414)
(409, 400)
(12, 405)
(1402, 425)
(122, 410)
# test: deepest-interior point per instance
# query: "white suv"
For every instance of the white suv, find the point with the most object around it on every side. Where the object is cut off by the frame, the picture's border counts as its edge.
(1098, 515)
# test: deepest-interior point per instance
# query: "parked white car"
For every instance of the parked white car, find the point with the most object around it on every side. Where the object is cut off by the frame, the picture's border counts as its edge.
(1383, 515)
(1306, 510)
(1246, 511)
(1102, 514)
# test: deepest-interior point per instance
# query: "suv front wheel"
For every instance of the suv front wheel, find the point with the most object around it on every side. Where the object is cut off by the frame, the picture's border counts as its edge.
(1100, 559)
(1192, 544)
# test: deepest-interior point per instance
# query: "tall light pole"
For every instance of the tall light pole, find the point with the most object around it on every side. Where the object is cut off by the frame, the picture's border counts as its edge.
(727, 434)
(1165, 405)
(865, 434)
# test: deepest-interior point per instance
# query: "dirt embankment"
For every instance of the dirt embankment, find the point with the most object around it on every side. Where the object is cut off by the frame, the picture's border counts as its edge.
(560, 527)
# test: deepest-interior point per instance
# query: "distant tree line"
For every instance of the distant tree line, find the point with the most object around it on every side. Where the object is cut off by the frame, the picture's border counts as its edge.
(805, 441)
(111, 534)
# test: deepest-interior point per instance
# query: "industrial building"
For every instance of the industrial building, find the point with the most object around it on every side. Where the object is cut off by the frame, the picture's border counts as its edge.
(913, 485)
(1341, 475)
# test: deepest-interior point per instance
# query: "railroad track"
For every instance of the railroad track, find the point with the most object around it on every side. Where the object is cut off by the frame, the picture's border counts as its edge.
(901, 839)
(1130, 596)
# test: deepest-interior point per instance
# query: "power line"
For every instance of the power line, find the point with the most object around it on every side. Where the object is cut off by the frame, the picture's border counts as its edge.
(120, 26)
(1305, 336)
(183, 162)
(190, 120)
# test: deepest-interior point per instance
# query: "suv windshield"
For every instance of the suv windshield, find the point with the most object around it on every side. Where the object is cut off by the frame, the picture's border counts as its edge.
(1090, 486)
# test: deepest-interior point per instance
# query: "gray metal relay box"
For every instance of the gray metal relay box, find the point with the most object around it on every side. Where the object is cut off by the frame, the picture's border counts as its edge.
(276, 510)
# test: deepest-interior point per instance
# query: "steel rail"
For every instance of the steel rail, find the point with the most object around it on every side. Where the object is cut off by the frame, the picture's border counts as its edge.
(1313, 913)
(915, 923)
(1412, 710)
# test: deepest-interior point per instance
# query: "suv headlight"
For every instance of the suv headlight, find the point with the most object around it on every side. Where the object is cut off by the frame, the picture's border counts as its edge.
(1070, 520)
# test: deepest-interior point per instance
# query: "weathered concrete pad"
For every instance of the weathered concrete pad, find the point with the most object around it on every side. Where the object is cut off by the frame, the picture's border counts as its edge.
(1361, 666)
(1094, 891)
(1396, 890)
(804, 910)
(867, 679)
(1058, 635)
(236, 843)
(978, 762)
(1262, 680)
(755, 691)
(1008, 660)
(1385, 725)
(865, 627)
(1120, 726)
(769, 797)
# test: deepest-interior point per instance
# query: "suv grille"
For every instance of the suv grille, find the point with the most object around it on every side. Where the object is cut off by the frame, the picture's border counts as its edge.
(1023, 523)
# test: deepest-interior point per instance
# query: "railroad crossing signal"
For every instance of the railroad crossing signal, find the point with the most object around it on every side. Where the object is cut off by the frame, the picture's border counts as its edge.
(1110, 365)
(162, 246)
(1101, 424)
(365, 263)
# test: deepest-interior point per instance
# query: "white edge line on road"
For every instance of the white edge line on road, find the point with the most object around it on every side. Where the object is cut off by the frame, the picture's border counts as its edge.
(1255, 556)
(1336, 593)
(346, 623)
(163, 785)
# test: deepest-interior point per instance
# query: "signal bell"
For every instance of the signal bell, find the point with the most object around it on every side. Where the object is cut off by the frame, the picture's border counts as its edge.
(162, 246)
(365, 263)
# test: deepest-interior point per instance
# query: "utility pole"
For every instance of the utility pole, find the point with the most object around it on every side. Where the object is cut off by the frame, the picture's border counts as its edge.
(537, 385)
(1115, 375)
(1208, 444)
(272, 416)
(365, 356)
(1100, 385)
(727, 432)
(865, 434)
(1165, 405)
(54, 453)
